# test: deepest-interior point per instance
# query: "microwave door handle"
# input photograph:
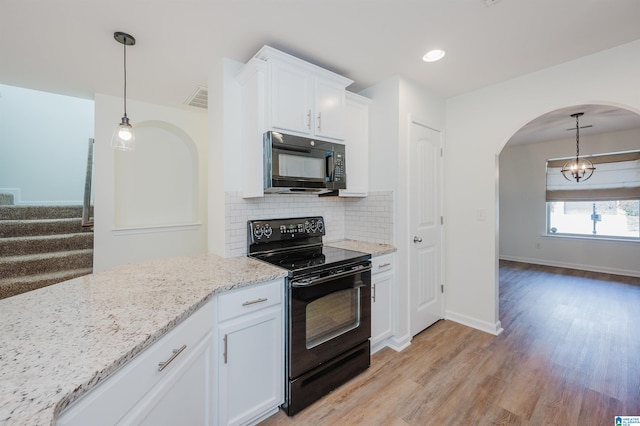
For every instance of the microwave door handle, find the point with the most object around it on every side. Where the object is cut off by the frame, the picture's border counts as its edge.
(330, 167)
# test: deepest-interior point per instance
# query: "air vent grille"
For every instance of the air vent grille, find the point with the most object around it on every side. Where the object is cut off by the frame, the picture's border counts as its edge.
(199, 98)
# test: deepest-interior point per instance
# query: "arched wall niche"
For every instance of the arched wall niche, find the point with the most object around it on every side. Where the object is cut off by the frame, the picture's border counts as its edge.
(156, 185)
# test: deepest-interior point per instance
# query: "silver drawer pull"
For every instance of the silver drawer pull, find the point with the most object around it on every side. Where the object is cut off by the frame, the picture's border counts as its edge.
(176, 352)
(384, 265)
(253, 302)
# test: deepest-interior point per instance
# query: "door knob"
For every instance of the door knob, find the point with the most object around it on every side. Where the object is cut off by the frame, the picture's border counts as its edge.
(417, 239)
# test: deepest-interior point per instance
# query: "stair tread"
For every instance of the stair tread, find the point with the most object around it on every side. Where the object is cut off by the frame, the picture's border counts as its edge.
(47, 237)
(45, 276)
(54, 220)
(49, 255)
(39, 211)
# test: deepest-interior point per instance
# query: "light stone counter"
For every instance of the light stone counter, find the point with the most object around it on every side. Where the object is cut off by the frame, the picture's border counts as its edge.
(58, 342)
(375, 249)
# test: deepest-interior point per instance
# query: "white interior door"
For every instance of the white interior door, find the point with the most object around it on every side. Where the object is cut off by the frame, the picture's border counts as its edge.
(425, 274)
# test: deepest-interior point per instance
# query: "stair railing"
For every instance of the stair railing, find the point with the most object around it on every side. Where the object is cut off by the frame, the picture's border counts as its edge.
(87, 217)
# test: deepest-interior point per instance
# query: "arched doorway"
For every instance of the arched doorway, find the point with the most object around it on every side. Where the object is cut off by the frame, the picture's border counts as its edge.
(523, 209)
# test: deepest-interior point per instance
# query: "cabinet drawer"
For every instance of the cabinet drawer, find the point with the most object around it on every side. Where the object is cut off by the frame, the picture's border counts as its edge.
(249, 299)
(109, 402)
(382, 263)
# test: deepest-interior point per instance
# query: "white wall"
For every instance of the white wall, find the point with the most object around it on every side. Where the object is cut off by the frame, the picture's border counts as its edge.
(43, 145)
(394, 101)
(523, 208)
(478, 125)
(122, 235)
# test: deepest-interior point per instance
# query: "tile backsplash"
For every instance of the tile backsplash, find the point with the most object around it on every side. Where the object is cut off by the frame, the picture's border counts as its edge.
(367, 219)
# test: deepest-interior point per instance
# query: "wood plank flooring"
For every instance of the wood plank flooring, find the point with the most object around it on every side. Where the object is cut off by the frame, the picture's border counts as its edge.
(569, 355)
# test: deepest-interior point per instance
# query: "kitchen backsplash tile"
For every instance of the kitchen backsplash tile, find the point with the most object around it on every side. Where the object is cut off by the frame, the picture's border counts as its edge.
(370, 219)
(367, 219)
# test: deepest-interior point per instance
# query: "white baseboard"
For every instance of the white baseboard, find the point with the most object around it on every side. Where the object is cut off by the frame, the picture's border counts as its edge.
(487, 327)
(399, 344)
(568, 265)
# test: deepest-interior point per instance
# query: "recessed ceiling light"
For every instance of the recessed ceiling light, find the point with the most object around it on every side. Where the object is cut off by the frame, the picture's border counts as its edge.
(433, 55)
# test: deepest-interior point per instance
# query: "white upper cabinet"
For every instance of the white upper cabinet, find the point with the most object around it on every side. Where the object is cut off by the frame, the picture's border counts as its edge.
(329, 117)
(356, 140)
(283, 93)
(291, 100)
(303, 98)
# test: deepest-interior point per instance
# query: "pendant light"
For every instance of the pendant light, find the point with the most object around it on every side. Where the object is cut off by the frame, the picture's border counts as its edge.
(123, 138)
(578, 169)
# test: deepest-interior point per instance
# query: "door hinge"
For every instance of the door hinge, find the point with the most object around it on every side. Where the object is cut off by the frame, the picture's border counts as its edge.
(441, 220)
(441, 288)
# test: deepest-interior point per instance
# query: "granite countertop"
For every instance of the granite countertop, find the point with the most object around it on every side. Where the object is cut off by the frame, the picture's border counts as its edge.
(376, 249)
(58, 342)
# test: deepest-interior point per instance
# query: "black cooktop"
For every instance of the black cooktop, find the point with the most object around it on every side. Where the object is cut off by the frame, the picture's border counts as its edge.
(310, 259)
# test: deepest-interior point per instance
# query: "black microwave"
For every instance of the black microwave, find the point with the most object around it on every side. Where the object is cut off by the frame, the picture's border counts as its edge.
(299, 164)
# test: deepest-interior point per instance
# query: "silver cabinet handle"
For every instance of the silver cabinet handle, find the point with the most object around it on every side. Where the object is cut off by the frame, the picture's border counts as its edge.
(384, 265)
(224, 354)
(176, 352)
(253, 302)
(373, 291)
(417, 239)
(309, 120)
(319, 121)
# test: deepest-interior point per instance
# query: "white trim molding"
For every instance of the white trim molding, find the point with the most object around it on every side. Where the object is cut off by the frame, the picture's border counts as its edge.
(487, 327)
(568, 265)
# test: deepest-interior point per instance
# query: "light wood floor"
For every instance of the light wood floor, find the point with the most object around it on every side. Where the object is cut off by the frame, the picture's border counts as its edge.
(569, 355)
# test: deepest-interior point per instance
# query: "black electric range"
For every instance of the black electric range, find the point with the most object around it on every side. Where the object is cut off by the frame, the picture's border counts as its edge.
(327, 306)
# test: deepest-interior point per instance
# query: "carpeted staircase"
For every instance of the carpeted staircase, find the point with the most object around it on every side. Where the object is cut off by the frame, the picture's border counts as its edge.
(42, 245)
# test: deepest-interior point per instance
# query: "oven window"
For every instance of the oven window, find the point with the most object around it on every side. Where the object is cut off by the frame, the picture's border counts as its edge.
(299, 166)
(332, 315)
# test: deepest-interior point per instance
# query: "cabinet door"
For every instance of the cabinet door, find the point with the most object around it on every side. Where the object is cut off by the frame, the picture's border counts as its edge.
(356, 140)
(291, 98)
(381, 325)
(329, 109)
(251, 381)
(183, 396)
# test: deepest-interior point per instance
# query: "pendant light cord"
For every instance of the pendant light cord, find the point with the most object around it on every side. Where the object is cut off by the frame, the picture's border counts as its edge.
(125, 78)
(577, 137)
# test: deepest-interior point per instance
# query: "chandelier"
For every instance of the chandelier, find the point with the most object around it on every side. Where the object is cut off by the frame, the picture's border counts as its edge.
(578, 169)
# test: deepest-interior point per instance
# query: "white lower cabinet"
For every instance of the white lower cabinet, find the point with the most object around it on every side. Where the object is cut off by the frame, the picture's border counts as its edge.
(382, 284)
(224, 365)
(142, 393)
(251, 359)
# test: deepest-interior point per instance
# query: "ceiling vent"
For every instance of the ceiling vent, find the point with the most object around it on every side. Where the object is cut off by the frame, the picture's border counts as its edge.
(199, 98)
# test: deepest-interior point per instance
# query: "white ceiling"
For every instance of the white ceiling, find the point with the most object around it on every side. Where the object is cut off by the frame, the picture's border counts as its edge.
(67, 46)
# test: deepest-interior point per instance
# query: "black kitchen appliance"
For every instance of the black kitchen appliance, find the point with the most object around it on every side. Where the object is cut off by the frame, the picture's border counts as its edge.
(294, 164)
(328, 306)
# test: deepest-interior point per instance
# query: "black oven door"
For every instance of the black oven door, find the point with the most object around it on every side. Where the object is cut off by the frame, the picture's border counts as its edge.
(327, 317)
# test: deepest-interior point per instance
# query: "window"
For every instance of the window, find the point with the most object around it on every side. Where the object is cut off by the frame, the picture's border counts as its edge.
(606, 205)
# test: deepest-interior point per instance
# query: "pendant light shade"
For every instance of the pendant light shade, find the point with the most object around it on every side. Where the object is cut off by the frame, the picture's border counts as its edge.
(123, 138)
(578, 169)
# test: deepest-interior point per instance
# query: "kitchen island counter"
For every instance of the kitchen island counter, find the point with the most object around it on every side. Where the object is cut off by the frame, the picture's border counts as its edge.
(58, 342)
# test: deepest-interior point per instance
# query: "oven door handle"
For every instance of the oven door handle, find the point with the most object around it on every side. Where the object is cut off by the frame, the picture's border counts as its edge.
(299, 284)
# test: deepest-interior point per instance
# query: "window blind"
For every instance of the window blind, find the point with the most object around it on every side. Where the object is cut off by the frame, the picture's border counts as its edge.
(617, 177)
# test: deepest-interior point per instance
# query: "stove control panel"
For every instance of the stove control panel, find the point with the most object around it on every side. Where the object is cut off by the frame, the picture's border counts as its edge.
(262, 231)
